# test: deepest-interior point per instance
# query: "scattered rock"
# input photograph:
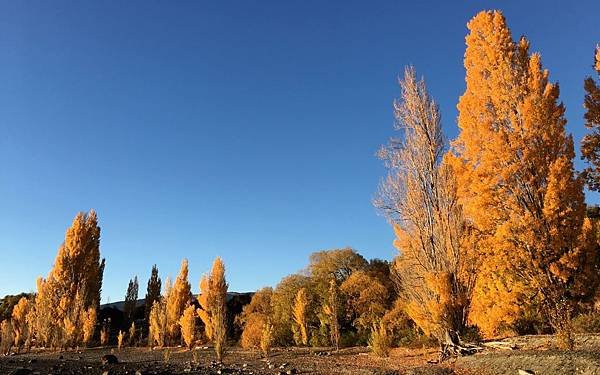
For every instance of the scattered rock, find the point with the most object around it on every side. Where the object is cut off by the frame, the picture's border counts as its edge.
(21, 371)
(291, 371)
(109, 359)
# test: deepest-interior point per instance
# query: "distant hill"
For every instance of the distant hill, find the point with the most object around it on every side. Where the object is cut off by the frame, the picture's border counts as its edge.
(120, 305)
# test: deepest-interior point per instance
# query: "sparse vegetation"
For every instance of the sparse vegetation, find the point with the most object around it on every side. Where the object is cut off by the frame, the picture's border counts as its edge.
(266, 339)
(120, 338)
(380, 341)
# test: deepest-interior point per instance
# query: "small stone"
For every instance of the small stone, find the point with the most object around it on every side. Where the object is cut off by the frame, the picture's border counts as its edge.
(109, 359)
(525, 372)
(291, 371)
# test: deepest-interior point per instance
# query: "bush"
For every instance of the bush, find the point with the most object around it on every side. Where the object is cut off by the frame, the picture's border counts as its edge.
(252, 333)
(587, 323)
(266, 339)
(380, 342)
(471, 334)
(415, 338)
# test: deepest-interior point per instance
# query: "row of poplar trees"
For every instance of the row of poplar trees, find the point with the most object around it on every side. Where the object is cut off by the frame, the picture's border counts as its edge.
(64, 311)
(492, 226)
(172, 316)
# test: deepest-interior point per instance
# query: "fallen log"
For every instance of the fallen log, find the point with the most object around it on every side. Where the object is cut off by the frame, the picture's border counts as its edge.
(502, 345)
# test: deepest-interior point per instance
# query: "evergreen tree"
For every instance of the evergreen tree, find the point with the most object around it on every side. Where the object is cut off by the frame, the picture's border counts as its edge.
(131, 298)
(152, 292)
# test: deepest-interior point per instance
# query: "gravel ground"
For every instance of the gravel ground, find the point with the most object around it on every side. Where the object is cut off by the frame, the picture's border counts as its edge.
(537, 354)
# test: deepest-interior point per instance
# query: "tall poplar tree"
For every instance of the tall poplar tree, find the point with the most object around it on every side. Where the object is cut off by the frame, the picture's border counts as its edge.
(419, 196)
(177, 299)
(517, 184)
(72, 289)
(299, 312)
(213, 306)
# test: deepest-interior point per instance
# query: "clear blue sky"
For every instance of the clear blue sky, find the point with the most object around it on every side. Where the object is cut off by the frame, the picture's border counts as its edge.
(235, 128)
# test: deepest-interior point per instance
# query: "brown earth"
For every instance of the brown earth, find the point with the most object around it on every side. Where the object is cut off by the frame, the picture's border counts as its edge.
(534, 353)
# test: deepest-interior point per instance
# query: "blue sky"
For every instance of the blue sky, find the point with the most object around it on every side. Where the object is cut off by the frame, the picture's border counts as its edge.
(234, 128)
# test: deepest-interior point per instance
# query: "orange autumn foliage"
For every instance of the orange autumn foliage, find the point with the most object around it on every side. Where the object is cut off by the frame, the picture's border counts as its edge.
(176, 300)
(213, 306)
(187, 322)
(299, 311)
(517, 184)
(19, 322)
(71, 292)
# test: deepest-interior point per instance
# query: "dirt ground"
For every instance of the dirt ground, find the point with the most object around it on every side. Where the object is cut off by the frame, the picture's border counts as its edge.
(539, 355)
(534, 353)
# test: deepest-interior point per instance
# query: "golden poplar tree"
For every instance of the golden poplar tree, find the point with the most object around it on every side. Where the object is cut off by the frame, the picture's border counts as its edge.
(187, 322)
(205, 300)
(299, 312)
(19, 322)
(213, 306)
(157, 324)
(331, 310)
(178, 298)
(590, 145)
(436, 267)
(72, 286)
(517, 184)
(89, 324)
